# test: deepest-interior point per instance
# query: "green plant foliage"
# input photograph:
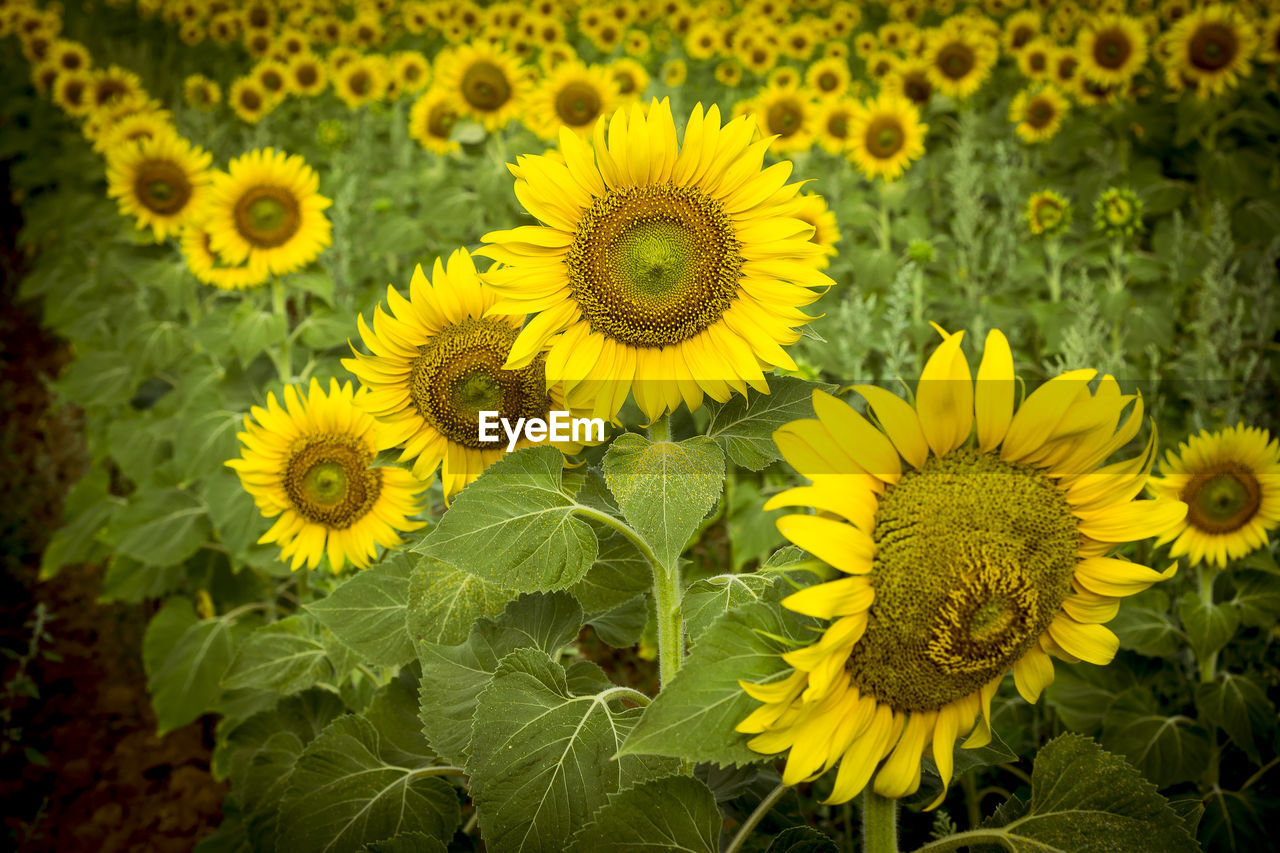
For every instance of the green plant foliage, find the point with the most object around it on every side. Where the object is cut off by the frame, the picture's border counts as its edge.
(367, 612)
(744, 426)
(676, 813)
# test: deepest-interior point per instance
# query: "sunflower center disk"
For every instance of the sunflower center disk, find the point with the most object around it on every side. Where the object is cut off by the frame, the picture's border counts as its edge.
(162, 187)
(884, 137)
(654, 265)
(328, 480)
(459, 374)
(1112, 49)
(267, 216)
(578, 104)
(1222, 501)
(973, 558)
(485, 86)
(955, 60)
(1212, 47)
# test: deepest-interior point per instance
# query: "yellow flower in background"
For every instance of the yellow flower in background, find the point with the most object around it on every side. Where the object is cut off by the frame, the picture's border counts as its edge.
(273, 76)
(1230, 481)
(308, 75)
(674, 73)
(813, 209)
(885, 136)
(910, 80)
(833, 123)
(1035, 61)
(787, 113)
(979, 532)
(437, 362)
(1112, 49)
(411, 71)
(1038, 114)
(431, 121)
(205, 265)
(359, 82)
(1210, 49)
(249, 100)
(575, 96)
(114, 84)
(630, 77)
(671, 270)
(828, 77)
(311, 464)
(201, 92)
(159, 181)
(72, 93)
(266, 210)
(1048, 213)
(959, 59)
(488, 84)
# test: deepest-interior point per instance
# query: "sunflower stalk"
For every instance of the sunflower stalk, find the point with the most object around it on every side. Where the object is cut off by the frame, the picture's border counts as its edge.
(879, 823)
(279, 306)
(1209, 663)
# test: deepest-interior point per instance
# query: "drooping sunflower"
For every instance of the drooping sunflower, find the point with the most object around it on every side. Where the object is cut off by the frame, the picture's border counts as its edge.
(1211, 49)
(959, 59)
(1038, 113)
(885, 136)
(431, 121)
(437, 362)
(964, 557)
(1048, 213)
(159, 181)
(311, 464)
(487, 82)
(1112, 49)
(1230, 481)
(788, 115)
(674, 270)
(575, 96)
(266, 210)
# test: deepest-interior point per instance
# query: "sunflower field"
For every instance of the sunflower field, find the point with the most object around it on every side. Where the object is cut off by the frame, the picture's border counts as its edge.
(621, 425)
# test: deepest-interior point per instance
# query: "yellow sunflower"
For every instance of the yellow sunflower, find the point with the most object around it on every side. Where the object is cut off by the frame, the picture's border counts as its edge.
(1020, 29)
(359, 82)
(114, 84)
(201, 92)
(1210, 48)
(431, 121)
(308, 75)
(885, 136)
(72, 92)
(205, 265)
(134, 127)
(311, 464)
(1112, 49)
(411, 70)
(249, 100)
(488, 84)
(813, 209)
(674, 73)
(671, 270)
(832, 124)
(575, 96)
(1048, 213)
(788, 114)
(1230, 480)
(630, 77)
(1036, 59)
(829, 77)
(982, 553)
(273, 76)
(266, 210)
(1038, 113)
(910, 80)
(959, 59)
(158, 181)
(437, 362)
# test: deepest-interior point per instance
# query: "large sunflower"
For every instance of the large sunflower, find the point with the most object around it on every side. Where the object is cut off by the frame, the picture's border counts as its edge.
(977, 555)
(1230, 480)
(1112, 50)
(265, 209)
(676, 270)
(1210, 49)
(575, 96)
(311, 464)
(488, 83)
(885, 136)
(437, 362)
(159, 181)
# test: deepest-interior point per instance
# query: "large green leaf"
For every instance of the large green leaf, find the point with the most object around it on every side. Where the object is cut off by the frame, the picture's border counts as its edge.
(206, 440)
(744, 426)
(1238, 705)
(1145, 624)
(543, 758)
(162, 527)
(1209, 626)
(802, 839)
(255, 330)
(88, 511)
(264, 783)
(514, 526)
(694, 716)
(1167, 748)
(304, 714)
(342, 794)
(707, 599)
(619, 574)
(235, 516)
(367, 612)
(1081, 692)
(454, 676)
(185, 682)
(664, 488)
(677, 814)
(445, 601)
(394, 713)
(285, 656)
(1257, 597)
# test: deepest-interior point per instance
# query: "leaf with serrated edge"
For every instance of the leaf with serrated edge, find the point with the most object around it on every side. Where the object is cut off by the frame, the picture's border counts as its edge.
(1167, 748)
(677, 814)
(367, 612)
(744, 427)
(185, 684)
(707, 599)
(1240, 707)
(802, 839)
(445, 601)
(285, 656)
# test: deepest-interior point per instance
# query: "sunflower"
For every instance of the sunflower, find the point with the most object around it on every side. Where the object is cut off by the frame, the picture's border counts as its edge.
(674, 270)
(71, 92)
(308, 75)
(885, 136)
(575, 95)
(1210, 48)
(812, 209)
(729, 73)
(273, 76)
(1048, 213)
(829, 77)
(68, 55)
(674, 73)
(431, 121)
(1118, 212)
(114, 84)
(1038, 113)
(1269, 49)
(158, 181)
(1020, 29)
(976, 556)
(203, 263)
(630, 77)
(201, 92)
(311, 464)
(787, 114)
(411, 71)
(703, 39)
(958, 59)
(488, 83)
(1230, 481)
(359, 82)
(249, 100)
(1035, 61)
(1065, 68)
(1112, 49)
(832, 123)
(265, 209)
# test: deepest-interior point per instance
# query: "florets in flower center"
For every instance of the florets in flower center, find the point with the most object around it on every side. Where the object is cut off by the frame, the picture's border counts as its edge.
(328, 480)
(267, 217)
(1223, 500)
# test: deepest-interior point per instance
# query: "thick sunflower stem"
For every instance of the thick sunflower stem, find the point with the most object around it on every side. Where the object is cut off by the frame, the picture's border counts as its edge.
(670, 616)
(660, 429)
(284, 365)
(879, 823)
(1209, 663)
(1053, 252)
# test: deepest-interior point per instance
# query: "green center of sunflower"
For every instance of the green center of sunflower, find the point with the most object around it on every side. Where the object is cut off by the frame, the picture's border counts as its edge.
(441, 120)
(838, 125)
(827, 81)
(485, 86)
(1111, 49)
(654, 265)
(955, 60)
(1222, 500)
(973, 559)
(459, 374)
(1037, 61)
(162, 187)
(885, 137)
(267, 216)
(578, 104)
(1212, 47)
(328, 480)
(1118, 210)
(306, 75)
(1048, 214)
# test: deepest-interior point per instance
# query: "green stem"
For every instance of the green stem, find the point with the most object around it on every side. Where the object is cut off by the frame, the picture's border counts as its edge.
(886, 244)
(660, 429)
(284, 366)
(994, 837)
(754, 818)
(972, 805)
(1209, 663)
(879, 823)
(1053, 250)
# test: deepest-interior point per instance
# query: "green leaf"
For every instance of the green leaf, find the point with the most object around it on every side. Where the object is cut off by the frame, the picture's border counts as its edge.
(1257, 597)
(744, 427)
(694, 716)
(323, 329)
(753, 533)
(514, 526)
(624, 625)
(802, 839)
(678, 813)
(1167, 749)
(1080, 693)
(619, 573)
(285, 656)
(265, 780)
(407, 842)
(1238, 821)
(1145, 625)
(134, 447)
(206, 440)
(162, 527)
(664, 488)
(97, 379)
(164, 630)
(1209, 626)
(1240, 707)
(236, 518)
(454, 676)
(367, 612)
(444, 602)
(254, 331)
(1085, 800)
(394, 713)
(87, 511)
(317, 283)
(342, 795)
(133, 582)
(542, 759)
(708, 599)
(186, 682)
(303, 714)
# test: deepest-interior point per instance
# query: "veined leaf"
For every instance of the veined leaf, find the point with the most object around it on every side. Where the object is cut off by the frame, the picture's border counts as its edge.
(163, 527)
(802, 839)
(1238, 705)
(1145, 625)
(285, 656)
(677, 814)
(744, 426)
(444, 601)
(1209, 626)
(367, 612)
(1167, 749)
(184, 684)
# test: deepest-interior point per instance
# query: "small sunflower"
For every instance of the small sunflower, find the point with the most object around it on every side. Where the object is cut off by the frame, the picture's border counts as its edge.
(159, 181)
(729, 73)
(1064, 67)
(828, 77)
(886, 135)
(411, 71)
(437, 362)
(1035, 61)
(674, 73)
(1210, 48)
(1038, 114)
(630, 77)
(1020, 29)
(311, 464)
(832, 124)
(1112, 50)
(1118, 212)
(431, 121)
(273, 76)
(114, 84)
(1230, 481)
(488, 83)
(205, 265)
(1048, 213)
(359, 82)
(813, 209)
(266, 210)
(671, 270)
(958, 59)
(201, 92)
(575, 96)
(308, 75)
(787, 114)
(72, 92)
(910, 80)
(965, 555)
(249, 100)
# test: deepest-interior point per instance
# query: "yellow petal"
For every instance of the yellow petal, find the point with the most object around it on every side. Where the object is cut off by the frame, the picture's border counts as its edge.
(899, 421)
(944, 397)
(1092, 643)
(993, 396)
